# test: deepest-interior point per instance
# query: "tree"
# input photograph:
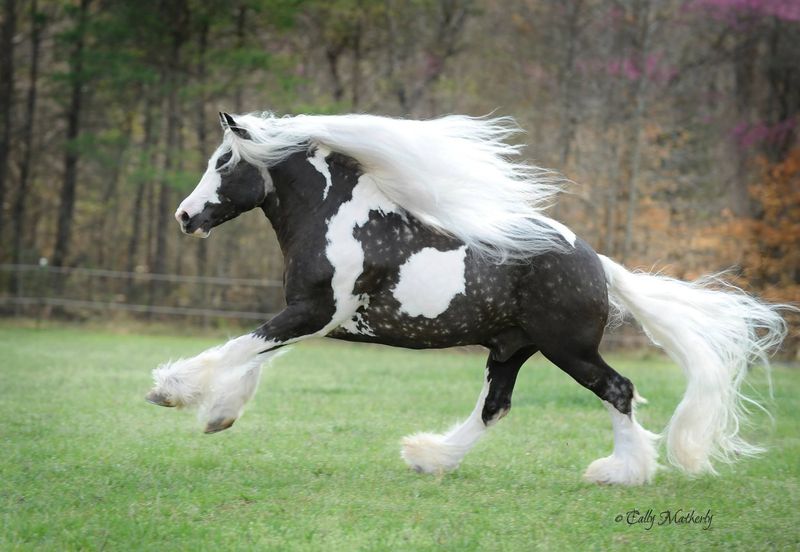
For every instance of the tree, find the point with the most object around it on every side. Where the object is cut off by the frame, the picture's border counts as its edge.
(177, 17)
(37, 22)
(76, 79)
(6, 93)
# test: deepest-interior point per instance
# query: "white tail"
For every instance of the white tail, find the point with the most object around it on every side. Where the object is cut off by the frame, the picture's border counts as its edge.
(714, 335)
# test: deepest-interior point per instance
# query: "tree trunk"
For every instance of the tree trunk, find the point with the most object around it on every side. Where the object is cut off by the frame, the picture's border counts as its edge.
(147, 156)
(567, 81)
(178, 18)
(355, 85)
(37, 24)
(241, 21)
(178, 167)
(636, 151)
(612, 145)
(332, 55)
(6, 94)
(202, 146)
(150, 206)
(452, 19)
(612, 200)
(110, 200)
(745, 62)
(71, 155)
(568, 117)
(164, 201)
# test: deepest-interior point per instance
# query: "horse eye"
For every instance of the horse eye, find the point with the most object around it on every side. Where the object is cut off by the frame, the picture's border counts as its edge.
(223, 159)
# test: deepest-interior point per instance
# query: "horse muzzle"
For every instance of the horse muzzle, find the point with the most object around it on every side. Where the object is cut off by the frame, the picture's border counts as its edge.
(192, 226)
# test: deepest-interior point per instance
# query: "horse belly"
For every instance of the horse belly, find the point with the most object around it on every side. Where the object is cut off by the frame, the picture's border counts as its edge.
(383, 323)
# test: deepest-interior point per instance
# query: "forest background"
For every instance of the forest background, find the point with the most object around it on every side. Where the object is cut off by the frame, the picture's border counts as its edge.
(676, 121)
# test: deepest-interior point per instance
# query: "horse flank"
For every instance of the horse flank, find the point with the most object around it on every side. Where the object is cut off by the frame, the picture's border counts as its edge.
(456, 174)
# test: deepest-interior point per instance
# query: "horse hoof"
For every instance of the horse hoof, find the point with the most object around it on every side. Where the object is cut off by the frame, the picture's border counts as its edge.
(158, 398)
(220, 424)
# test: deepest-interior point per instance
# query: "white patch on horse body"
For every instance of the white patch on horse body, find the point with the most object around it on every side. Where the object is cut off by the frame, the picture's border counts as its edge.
(269, 185)
(429, 280)
(345, 252)
(358, 326)
(319, 162)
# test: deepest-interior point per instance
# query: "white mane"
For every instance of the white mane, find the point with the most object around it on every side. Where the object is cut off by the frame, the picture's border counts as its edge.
(456, 174)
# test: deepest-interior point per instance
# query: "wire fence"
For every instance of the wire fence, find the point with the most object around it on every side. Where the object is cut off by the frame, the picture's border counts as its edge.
(44, 291)
(77, 292)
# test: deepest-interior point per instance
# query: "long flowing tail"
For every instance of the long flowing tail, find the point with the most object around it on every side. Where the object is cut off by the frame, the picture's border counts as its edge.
(714, 334)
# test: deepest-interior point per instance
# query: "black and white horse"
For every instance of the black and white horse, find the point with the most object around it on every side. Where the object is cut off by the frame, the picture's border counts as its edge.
(426, 234)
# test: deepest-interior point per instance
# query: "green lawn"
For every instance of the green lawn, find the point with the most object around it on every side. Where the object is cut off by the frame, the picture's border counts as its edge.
(314, 462)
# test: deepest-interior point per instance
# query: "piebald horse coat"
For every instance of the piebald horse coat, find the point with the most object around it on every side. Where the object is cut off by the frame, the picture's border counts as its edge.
(426, 234)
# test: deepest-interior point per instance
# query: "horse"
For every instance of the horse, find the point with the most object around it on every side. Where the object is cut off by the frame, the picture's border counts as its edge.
(432, 234)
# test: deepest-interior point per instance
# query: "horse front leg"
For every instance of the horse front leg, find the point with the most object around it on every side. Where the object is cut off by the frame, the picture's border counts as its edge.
(222, 379)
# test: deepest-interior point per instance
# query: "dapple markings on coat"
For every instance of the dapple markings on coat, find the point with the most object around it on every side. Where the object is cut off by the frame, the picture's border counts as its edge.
(423, 234)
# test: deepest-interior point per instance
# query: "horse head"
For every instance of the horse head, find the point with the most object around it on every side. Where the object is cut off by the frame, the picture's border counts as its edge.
(229, 187)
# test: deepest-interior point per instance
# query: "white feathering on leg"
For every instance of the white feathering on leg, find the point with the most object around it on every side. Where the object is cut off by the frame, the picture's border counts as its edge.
(634, 460)
(437, 453)
(219, 380)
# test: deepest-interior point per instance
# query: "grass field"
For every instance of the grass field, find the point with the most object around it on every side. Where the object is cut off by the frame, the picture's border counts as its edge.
(314, 464)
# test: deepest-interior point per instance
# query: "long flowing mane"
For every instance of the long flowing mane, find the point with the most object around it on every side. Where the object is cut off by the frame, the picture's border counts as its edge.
(458, 174)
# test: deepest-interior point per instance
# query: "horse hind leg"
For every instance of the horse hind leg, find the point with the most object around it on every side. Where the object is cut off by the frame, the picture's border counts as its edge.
(441, 452)
(634, 459)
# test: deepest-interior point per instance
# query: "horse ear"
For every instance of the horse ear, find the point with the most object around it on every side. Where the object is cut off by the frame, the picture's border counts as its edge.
(228, 122)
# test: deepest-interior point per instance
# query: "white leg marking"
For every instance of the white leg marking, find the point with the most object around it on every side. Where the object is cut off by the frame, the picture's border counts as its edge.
(633, 461)
(437, 453)
(220, 380)
(429, 280)
(230, 390)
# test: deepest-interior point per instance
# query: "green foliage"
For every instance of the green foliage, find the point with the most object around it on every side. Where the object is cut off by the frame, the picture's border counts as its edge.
(245, 59)
(278, 14)
(314, 465)
(102, 146)
(183, 181)
(143, 173)
(321, 108)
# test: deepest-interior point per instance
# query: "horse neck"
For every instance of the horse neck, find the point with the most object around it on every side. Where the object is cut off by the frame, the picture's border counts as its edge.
(297, 207)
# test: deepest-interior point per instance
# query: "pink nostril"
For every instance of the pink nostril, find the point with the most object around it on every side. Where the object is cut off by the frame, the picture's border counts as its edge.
(182, 216)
